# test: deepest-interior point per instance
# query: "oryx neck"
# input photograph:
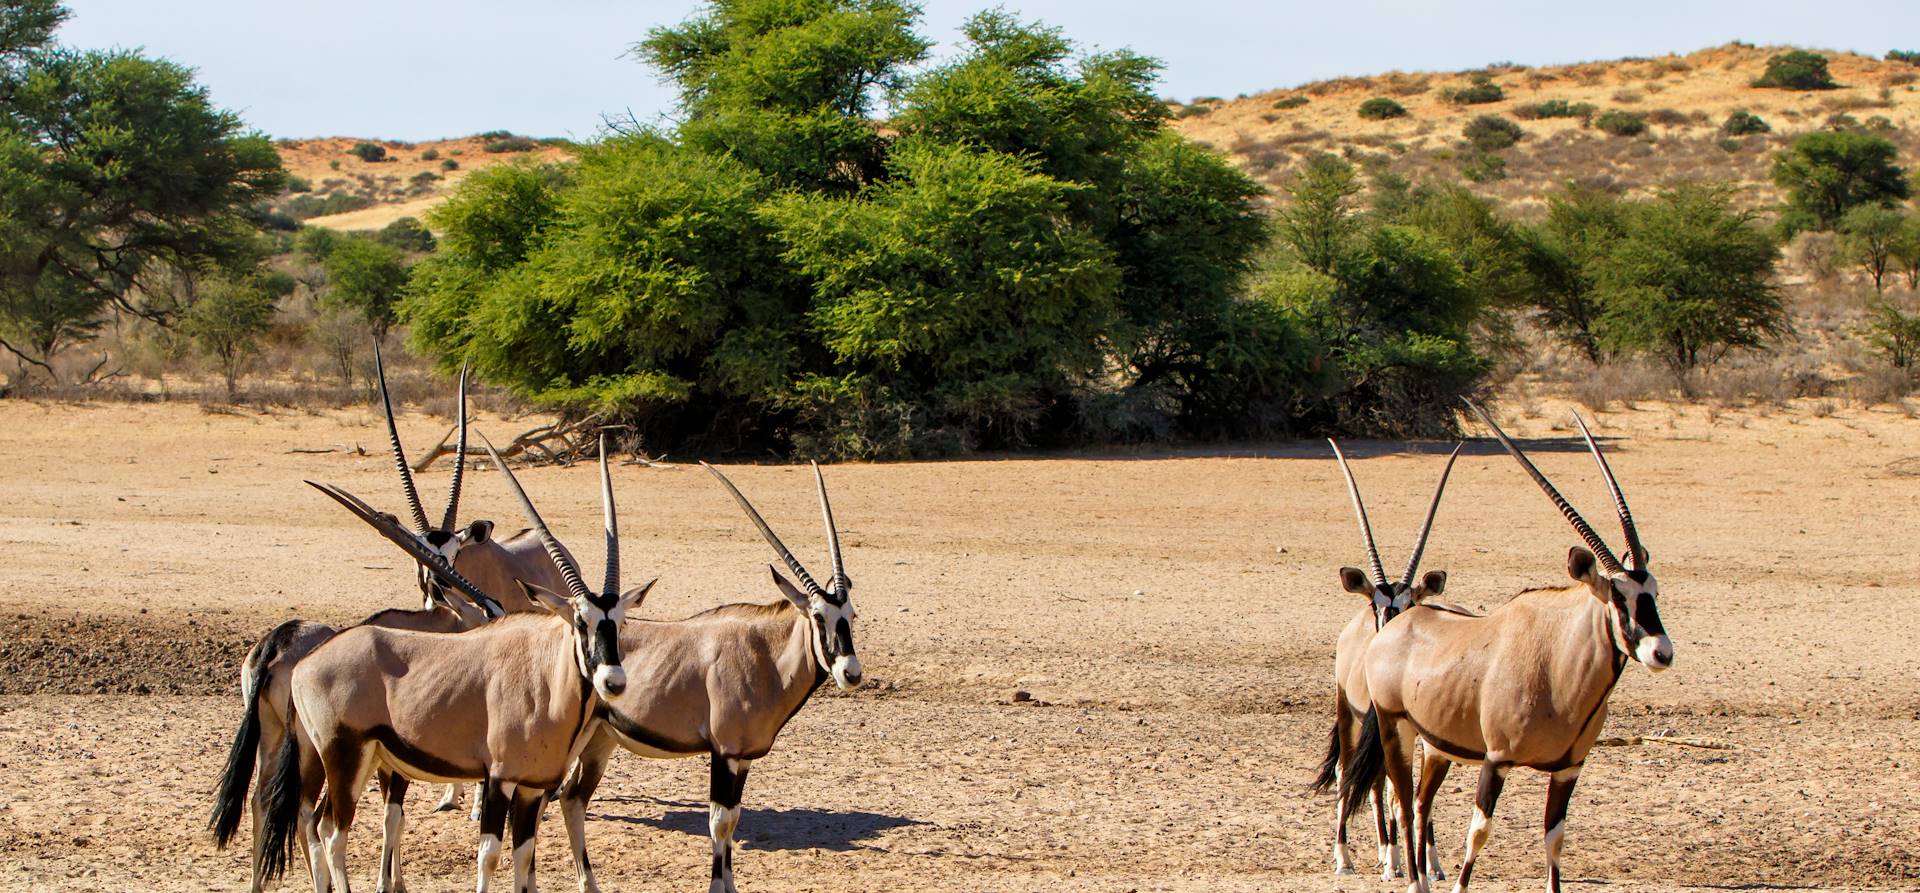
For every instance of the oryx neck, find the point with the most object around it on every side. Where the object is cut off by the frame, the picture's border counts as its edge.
(799, 662)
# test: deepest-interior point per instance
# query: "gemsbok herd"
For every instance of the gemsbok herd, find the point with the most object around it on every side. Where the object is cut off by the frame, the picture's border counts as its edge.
(518, 676)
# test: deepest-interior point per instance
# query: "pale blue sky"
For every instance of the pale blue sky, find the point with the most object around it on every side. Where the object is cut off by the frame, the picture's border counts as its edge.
(419, 69)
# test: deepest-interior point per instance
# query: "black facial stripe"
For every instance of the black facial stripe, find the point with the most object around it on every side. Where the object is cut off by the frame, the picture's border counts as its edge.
(1622, 618)
(607, 641)
(438, 538)
(828, 644)
(843, 636)
(1647, 614)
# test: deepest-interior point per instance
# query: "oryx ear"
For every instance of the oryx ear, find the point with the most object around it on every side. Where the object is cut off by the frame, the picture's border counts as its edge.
(1433, 583)
(787, 589)
(1352, 580)
(546, 598)
(633, 597)
(1582, 566)
(477, 532)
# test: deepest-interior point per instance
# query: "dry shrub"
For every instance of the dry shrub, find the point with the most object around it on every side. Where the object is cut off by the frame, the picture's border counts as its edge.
(1848, 102)
(1880, 385)
(1588, 75)
(1669, 118)
(1769, 379)
(1627, 95)
(1624, 383)
(1902, 79)
(1338, 85)
(1403, 84)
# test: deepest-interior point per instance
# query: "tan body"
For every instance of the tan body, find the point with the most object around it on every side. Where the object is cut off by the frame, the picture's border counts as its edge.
(1525, 685)
(720, 684)
(495, 565)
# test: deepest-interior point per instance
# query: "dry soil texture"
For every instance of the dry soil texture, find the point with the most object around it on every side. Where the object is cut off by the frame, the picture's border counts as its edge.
(1171, 615)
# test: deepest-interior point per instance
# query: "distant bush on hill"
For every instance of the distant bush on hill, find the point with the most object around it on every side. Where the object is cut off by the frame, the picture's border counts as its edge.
(369, 152)
(1910, 57)
(1554, 108)
(1381, 108)
(303, 207)
(1619, 122)
(1291, 102)
(510, 144)
(299, 184)
(1743, 122)
(1491, 133)
(1479, 91)
(430, 155)
(1796, 70)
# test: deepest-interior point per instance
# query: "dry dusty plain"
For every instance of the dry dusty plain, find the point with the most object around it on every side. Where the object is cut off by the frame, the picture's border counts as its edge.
(1171, 614)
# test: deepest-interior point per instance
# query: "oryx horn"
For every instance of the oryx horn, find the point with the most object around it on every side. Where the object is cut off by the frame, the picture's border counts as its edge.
(459, 459)
(399, 455)
(612, 587)
(1360, 509)
(575, 586)
(1636, 553)
(1420, 546)
(779, 548)
(1580, 525)
(413, 546)
(840, 582)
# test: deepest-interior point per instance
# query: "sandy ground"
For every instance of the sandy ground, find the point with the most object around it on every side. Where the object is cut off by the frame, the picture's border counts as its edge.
(1172, 615)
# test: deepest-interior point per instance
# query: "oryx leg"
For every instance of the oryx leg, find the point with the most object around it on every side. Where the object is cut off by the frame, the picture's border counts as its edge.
(347, 765)
(1493, 777)
(527, 803)
(393, 789)
(313, 780)
(273, 733)
(574, 797)
(1396, 743)
(1386, 832)
(450, 799)
(494, 798)
(729, 777)
(1345, 734)
(1433, 770)
(1559, 793)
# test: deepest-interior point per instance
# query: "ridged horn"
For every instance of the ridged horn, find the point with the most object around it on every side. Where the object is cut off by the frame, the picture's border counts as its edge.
(568, 572)
(412, 545)
(459, 460)
(612, 587)
(399, 455)
(1580, 525)
(1636, 553)
(779, 548)
(1360, 509)
(1420, 545)
(840, 582)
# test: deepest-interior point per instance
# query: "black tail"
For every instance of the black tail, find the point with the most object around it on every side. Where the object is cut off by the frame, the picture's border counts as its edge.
(1330, 766)
(1364, 765)
(230, 798)
(283, 807)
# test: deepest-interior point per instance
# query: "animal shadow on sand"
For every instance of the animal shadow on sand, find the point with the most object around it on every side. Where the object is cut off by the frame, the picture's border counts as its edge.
(760, 829)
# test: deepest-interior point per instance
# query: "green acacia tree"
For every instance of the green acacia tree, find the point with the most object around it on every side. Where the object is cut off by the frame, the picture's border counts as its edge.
(958, 283)
(1829, 172)
(1562, 254)
(117, 174)
(227, 320)
(1691, 278)
(1870, 237)
(366, 276)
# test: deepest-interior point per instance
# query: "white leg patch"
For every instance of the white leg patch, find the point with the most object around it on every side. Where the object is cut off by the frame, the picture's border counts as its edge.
(523, 867)
(489, 860)
(396, 825)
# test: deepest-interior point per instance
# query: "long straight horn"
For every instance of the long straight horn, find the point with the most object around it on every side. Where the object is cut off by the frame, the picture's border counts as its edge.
(1580, 525)
(431, 560)
(840, 582)
(399, 455)
(1360, 509)
(779, 548)
(568, 572)
(1420, 546)
(1636, 553)
(459, 459)
(612, 587)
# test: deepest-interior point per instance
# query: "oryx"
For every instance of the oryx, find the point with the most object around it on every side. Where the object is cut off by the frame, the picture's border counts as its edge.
(265, 673)
(507, 704)
(722, 684)
(1525, 685)
(1386, 601)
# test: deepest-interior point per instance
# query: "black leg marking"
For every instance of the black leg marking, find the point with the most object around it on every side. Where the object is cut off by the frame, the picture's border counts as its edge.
(1559, 795)
(1493, 779)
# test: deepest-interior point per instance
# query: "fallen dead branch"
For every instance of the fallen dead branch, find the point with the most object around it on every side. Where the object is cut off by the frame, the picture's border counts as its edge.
(1676, 741)
(356, 449)
(561, 443)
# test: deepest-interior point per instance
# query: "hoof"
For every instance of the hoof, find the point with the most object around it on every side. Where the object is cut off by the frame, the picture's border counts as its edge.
(1343, 871)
